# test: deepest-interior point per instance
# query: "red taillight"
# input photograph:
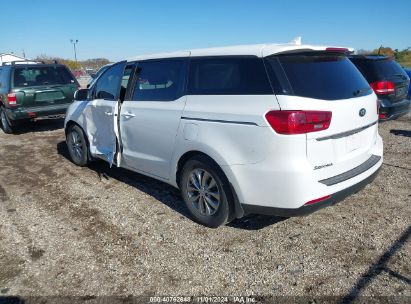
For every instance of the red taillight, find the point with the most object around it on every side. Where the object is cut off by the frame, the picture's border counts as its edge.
(11, 99)
(382, 115)
(298, 122)
(318, 200)
(383, 87)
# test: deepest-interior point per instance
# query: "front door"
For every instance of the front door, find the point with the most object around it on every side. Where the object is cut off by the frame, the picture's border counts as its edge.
(149, 120)
(101, 113)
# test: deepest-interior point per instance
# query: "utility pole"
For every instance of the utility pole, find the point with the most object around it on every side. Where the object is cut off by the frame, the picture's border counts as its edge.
(74, 42)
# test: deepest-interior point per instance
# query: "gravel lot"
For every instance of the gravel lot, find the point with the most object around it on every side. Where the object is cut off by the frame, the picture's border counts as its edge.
(66, 230)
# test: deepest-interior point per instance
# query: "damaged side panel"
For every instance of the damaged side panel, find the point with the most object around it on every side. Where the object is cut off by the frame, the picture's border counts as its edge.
(98, 116)
(98, 119)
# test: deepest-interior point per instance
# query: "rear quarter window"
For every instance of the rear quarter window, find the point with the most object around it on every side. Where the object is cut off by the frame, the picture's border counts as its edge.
(4, 78)
(228, 76)
(316, 75)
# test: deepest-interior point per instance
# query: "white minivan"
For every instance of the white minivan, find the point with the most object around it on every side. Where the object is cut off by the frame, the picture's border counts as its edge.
(270, 129)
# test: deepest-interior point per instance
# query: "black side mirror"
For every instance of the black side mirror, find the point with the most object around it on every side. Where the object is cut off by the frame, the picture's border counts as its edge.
(81, 94)
(93, 75)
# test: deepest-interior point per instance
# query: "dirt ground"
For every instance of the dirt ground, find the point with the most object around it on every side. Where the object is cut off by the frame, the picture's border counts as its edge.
(66, 230)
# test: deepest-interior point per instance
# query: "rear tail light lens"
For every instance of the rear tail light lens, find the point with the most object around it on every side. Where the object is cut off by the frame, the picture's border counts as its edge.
(11, 99)
(298, 122)
(383, 87)
(317, 200)
(382, 115)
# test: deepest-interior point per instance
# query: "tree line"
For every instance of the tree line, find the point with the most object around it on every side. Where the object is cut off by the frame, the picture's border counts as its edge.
(93, 64)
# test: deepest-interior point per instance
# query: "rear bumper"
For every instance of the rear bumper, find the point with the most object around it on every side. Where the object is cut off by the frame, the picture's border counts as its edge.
(22, 113)
(307, 209)
(394, 110)
(282, 185)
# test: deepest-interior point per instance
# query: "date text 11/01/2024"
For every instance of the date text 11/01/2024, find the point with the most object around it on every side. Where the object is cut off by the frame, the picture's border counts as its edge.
(203, 299)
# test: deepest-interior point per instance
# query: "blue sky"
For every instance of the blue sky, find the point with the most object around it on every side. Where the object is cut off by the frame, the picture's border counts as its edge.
(120, 29)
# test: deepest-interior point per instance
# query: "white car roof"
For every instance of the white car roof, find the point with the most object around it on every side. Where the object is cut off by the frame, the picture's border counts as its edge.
(260, 50)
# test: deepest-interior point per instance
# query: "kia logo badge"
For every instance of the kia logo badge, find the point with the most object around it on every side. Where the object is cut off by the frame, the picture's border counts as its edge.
(362, 112)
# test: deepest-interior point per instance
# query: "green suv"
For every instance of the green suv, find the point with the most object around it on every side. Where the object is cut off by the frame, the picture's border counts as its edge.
(34, 90)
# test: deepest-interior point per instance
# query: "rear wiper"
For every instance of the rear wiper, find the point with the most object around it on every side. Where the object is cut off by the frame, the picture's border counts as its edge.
(401, 75)
(358, 92)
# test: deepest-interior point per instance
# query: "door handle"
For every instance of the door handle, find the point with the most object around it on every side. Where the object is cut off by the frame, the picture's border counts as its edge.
(128, 115)
(108, 113)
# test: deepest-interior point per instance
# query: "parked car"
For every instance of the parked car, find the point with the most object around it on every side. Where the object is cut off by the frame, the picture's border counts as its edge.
(408, 71)
(32, 91)
(272, 129)
(389, 82)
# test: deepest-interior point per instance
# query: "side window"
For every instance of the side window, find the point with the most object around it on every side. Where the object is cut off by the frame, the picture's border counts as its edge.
(160, 80)
(229, 75)
(124, 81)
(126, 76)
(107, 86)
(4, 77)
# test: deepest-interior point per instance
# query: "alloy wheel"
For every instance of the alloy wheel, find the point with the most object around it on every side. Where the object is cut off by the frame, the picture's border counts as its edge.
(203, 192)
(75, 144)
(3, 119)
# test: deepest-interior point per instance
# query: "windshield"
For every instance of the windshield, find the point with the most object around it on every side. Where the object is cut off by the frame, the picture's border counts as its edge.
(316, 75)
(97, 75)
(42, 75)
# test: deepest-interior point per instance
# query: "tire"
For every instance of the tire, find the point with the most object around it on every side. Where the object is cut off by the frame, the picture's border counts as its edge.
(4, 121)
(77, 146)
(206, 192)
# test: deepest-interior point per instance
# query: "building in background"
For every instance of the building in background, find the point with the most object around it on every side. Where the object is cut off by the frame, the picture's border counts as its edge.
(9, 57)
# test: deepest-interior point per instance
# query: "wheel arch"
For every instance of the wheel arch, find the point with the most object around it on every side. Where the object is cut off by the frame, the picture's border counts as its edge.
(71, 123)
(183, 159)
(238, 210)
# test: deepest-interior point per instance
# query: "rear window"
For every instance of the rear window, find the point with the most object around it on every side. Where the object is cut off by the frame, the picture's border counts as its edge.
(228, 75)
(375, 70)
(316, 75)
(42, 75)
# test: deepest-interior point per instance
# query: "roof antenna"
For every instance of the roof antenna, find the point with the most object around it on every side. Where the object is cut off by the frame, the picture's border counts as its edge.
(379, 50)
(296, 40)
